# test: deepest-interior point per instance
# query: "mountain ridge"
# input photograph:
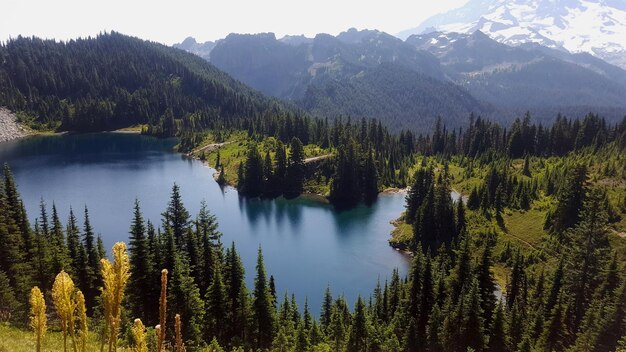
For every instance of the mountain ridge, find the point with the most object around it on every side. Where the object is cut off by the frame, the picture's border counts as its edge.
(597, 27)
(327, 75)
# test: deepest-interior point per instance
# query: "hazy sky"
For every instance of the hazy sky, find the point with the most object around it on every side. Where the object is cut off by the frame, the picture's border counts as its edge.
(172, 21)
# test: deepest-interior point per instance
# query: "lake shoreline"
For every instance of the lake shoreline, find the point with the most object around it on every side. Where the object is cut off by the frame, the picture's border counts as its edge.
(401, 232)
(314, 197)
(10, 128)
(346, 249)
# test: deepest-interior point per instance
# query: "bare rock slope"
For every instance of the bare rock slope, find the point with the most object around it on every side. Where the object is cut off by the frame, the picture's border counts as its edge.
(9, 128)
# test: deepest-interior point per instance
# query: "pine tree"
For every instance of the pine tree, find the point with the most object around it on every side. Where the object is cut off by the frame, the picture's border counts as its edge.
(295, 312)
(12, 249)
(221, 177)
(422, 180)
(589, 250)
(236, 292)
(273, 294)
(268, 174)
(74, 246)
(176, 217)
(394, 296)
(216, 304)
(254, 179)
(498, 341)
(499, 201)
(206, 227)
(89, 277)
(515, 285)
(280, 168)
(60, 254)
(570, 201)
(427, 302)
(377, 304)
(444, 213)
(473, 201)
(336, 331)
(262, 307)
(102, 253)
(517, 323)
(155, 254)
(611, 326)
(555, 289)
(486, 286)
(326, 310)
(344, 189)
(218, 160)
(295, 169)
(411, 342)
(435, 324)
(316, 335)
(460, 217)
(43, 219)
(8, 302)
(526, 168)
(285, 339)
(41, 262)
(281, 159)
(461, 275)
(451, 332)
(184, 299)
(473, 329)
(193, 248)
(415, 284)
(369, 182)
(141, 267)
(358, 340)
(17, 212)
(302, 340)
(307, 319)
(425, 230)
(555, 330)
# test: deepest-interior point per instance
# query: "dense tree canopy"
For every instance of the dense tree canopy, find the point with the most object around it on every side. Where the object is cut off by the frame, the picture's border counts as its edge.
(446, 303)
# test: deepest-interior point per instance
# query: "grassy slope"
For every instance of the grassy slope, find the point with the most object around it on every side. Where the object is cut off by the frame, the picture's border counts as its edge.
(18, 340)
(524, 229)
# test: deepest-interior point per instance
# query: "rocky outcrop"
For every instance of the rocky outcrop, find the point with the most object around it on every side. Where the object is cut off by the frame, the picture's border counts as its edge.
(9, 128)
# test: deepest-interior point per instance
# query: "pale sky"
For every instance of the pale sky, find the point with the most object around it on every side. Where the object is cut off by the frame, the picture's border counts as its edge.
(172, 21)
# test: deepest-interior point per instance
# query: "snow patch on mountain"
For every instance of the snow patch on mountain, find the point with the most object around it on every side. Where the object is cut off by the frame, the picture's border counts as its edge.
(593, 26)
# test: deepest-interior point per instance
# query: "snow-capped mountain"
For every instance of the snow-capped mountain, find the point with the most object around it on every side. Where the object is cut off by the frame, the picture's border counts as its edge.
(593, 26)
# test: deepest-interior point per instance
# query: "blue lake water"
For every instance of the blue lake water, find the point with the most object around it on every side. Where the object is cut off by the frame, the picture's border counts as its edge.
(307, 245)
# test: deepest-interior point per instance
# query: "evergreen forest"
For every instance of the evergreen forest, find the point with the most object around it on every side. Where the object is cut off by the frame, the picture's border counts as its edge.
(528, 257)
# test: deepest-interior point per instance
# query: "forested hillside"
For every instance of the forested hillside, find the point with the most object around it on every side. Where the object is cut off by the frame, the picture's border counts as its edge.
(528, 78)
(367, 74)
(530, 259)
(402, 98)
(113, 81)
(447, 74)
(285, 69)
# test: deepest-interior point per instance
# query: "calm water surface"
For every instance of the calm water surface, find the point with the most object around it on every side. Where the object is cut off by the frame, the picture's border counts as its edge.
(307, 245)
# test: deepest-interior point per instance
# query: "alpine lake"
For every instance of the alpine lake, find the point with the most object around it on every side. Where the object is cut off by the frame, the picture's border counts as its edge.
(307, 245)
